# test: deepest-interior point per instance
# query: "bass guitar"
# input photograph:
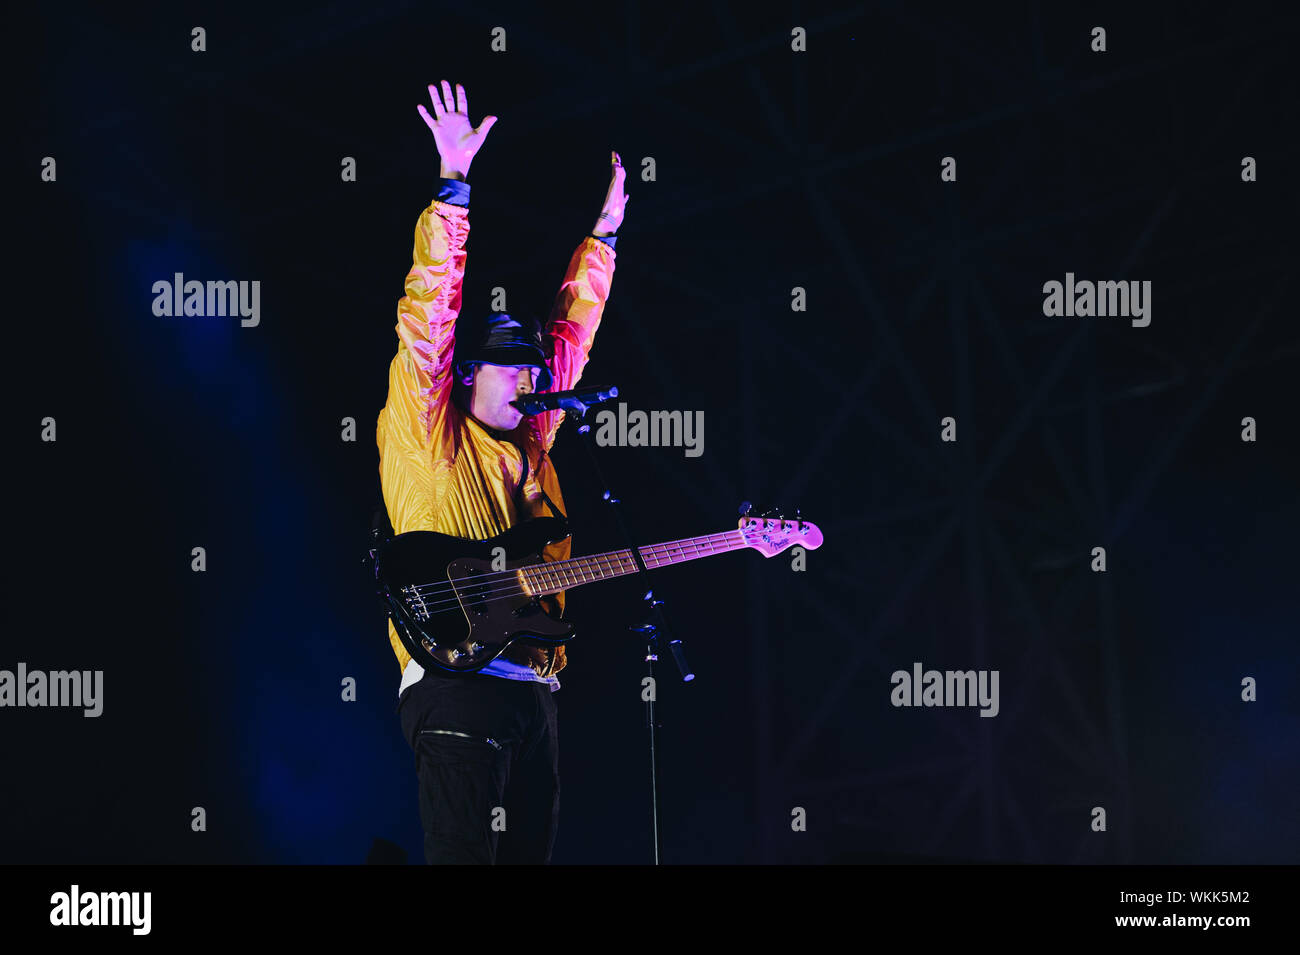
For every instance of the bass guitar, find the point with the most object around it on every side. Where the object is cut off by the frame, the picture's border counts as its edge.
(457, 605)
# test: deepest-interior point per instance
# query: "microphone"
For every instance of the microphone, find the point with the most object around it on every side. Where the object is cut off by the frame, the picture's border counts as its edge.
(578, 400)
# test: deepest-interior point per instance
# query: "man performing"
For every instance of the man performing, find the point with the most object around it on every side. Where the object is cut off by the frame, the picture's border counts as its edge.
(456, 458)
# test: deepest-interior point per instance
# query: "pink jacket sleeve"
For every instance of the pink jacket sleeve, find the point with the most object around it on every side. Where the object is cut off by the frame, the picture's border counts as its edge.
(426, 321)
(411, 429)
(572, 325)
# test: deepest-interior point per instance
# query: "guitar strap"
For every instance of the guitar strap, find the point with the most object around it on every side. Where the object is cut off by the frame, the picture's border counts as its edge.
(519, 492)
(379, 522)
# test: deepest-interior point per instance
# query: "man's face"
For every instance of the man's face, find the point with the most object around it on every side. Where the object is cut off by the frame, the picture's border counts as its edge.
(495, 386)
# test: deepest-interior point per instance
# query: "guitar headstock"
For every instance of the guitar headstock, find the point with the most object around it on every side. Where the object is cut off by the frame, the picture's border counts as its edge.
(769, 536)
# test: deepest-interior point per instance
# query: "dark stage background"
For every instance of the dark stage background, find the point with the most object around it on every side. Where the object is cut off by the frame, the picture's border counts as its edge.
(774, 169)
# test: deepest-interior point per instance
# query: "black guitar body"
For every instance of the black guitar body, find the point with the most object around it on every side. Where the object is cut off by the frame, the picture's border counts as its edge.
(452, 609)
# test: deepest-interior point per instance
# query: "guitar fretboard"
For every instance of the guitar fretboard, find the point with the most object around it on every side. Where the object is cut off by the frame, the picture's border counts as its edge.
(560, 575)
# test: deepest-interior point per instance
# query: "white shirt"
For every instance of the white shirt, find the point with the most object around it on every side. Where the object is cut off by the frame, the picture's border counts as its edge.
(498, 667)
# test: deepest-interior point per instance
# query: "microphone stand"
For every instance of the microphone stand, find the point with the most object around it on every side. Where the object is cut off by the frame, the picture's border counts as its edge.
(655, 620)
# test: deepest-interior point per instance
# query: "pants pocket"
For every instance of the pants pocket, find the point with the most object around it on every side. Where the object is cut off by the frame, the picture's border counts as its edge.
(462, 782)
(456, 734)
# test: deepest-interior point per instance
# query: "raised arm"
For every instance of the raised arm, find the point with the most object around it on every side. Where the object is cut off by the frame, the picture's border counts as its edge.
(575, 316)
(420, 376)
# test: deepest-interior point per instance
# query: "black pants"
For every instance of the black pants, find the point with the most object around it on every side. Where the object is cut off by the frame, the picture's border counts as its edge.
(488, 761)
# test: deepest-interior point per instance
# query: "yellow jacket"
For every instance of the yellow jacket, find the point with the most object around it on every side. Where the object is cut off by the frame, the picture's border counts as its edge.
(440, 469)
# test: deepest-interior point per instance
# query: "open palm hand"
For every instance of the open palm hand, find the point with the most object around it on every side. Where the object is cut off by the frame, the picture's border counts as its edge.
(458, 141)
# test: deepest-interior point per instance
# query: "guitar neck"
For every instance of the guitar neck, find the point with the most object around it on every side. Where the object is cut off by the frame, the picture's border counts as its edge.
(551, 578)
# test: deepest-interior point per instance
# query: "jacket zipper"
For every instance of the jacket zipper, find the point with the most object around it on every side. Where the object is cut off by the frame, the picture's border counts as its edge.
(486, 739)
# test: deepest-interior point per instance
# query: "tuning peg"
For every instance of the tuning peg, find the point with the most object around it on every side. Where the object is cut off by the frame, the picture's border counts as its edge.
(745, 508)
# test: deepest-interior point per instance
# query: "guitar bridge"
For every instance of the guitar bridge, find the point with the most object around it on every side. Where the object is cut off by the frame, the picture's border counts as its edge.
(415, 602)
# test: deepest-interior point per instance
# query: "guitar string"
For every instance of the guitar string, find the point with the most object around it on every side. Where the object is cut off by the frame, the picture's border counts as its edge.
(558, 569)
(512, 589)
(655, 551)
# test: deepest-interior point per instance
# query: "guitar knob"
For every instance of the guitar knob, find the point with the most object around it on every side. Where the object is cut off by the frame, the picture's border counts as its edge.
(476, 647)
(455, 654)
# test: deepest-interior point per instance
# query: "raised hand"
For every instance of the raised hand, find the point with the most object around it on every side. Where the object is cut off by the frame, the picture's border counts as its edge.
(457, 140)
(611, 215)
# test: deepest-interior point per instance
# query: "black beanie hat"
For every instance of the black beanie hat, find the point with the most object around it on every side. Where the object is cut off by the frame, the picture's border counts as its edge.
(501, 339)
